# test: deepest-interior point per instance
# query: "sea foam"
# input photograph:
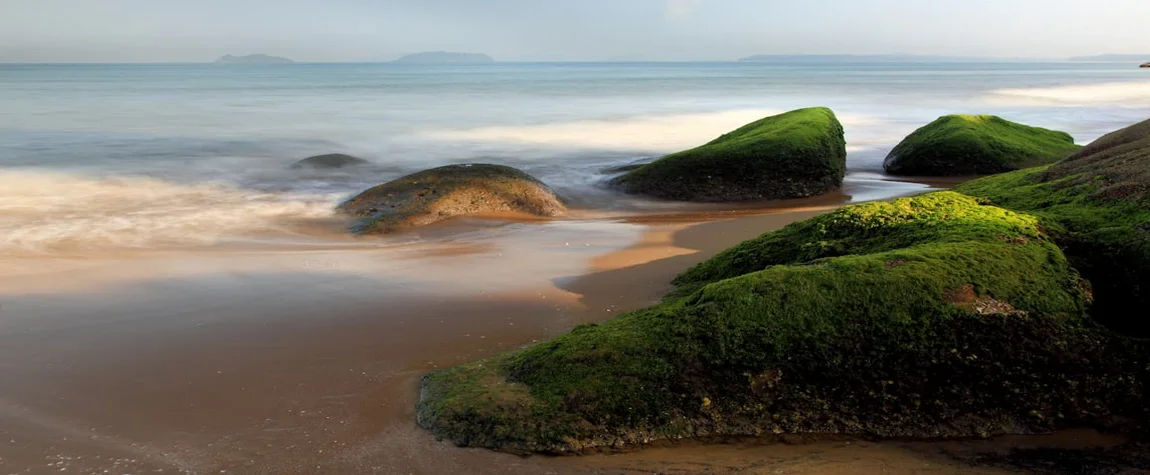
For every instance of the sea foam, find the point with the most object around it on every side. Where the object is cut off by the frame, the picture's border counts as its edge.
(665, 133)
(54, 211)
(1131, 94)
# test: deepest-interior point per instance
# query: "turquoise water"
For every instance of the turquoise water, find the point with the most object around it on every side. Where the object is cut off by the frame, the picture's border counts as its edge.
(171, 152)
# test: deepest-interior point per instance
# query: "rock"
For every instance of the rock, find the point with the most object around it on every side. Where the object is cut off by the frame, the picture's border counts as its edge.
(630, 167)
(957, 145)
(253, 59)
(331, 160)
(1095, 205)
(793, 155)
(935, 316)
(952, 314)
(445, 57)
(1145, 65)
(445, 192)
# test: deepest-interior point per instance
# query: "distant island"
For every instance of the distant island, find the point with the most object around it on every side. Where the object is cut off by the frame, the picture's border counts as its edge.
(1113, 58)
(253, 59)
(856, 58)
(445, 57)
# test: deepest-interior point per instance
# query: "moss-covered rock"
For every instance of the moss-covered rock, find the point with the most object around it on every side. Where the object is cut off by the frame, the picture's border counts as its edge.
(793, 155)
(1096, 205)
(933, 316)
(331, 160)
(956, 145)
(445, 192)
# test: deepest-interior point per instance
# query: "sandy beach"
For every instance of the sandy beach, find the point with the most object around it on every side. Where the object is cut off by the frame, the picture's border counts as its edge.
(237, 237)
(296, 359)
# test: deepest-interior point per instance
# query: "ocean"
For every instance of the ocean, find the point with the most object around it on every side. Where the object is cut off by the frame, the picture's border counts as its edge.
(112, 156)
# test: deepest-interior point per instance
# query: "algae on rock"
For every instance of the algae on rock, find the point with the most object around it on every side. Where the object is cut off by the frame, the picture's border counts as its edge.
(793, 155)
(950, 314)
(933, 316)
(1096, 205)
(956, 145)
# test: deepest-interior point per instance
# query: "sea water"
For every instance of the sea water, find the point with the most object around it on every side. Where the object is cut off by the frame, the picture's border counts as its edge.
(153, 155)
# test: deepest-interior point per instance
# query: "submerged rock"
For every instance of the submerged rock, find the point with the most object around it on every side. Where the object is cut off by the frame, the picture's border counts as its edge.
(928, 317)
(331, 160)
(956, 145)
(445, 192)
(793, 155)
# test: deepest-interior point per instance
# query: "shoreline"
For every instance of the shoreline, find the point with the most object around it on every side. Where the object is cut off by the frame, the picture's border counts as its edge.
(309, 362)
(236, 359)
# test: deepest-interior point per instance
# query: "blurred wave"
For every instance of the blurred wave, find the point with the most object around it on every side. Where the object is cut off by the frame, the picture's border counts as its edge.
(140, 156)
(50, 211)
(649, 132)
(1125, 94)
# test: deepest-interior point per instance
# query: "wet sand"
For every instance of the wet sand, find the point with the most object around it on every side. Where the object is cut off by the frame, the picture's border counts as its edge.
(307, 361)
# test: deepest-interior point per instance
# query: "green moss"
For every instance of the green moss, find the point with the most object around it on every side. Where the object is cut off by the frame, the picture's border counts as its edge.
(876, 227)
(976, 145)
(797, 154)
(1096, 205)
(948, 314)
(928, 316)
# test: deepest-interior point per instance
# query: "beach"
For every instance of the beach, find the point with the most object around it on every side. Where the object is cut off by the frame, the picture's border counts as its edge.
(175, 298)
(295, 360)
(272, 361)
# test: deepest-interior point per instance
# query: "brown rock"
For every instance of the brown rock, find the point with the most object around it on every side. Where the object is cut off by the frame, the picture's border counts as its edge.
(441, 193)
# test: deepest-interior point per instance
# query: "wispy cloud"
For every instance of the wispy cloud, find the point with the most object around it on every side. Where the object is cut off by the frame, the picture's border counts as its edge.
(676, 10)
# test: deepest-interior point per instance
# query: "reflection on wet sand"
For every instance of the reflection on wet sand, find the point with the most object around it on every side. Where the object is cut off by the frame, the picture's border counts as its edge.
(308, 360)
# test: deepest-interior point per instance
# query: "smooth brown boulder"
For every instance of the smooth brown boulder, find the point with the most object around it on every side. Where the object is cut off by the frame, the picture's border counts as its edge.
(455, 190)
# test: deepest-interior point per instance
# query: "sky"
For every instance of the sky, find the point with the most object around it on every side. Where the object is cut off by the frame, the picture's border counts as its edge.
(563, 30)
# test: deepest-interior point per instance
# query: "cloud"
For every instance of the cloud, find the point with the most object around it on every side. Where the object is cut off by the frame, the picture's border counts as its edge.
(675, 10)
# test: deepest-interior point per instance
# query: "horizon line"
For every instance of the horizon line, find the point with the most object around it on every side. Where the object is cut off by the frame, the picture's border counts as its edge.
(927, 58)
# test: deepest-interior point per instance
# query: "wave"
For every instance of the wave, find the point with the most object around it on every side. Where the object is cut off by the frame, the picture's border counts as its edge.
(642, 133)
(54, 211)
(1133, 94)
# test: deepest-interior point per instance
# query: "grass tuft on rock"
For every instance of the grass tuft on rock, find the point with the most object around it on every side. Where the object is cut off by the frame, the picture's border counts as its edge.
(797, 154)
(956, 145)
(933, 316)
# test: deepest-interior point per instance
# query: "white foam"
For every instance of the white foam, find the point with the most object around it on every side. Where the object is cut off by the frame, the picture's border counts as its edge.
(648, 133)
(1132, 94)
(47, 211)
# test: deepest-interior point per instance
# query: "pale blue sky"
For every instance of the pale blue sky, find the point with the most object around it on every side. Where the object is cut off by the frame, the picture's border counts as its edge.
(375, 30)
